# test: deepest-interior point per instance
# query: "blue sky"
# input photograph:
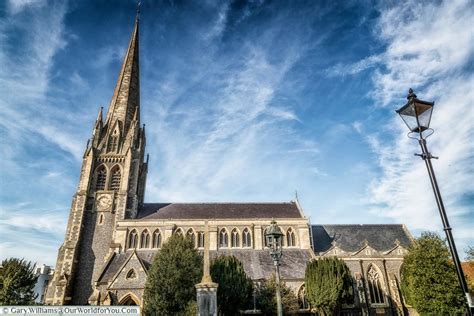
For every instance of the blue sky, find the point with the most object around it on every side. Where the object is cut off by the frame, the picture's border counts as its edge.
(243, 101)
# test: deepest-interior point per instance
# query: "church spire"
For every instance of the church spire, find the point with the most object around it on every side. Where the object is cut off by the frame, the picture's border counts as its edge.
(126, 98)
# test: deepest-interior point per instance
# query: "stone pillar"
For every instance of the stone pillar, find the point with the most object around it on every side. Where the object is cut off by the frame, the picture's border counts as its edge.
(206, 290)
(206, 299)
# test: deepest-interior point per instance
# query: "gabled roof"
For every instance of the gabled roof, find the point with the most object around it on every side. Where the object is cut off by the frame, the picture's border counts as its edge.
(218, 210)
(120, 260)
(352, 238)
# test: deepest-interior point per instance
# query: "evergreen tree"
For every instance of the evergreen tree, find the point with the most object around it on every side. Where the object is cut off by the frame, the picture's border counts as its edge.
(176, 268)
(429, 281)
(328, 285)
(266, 299)
(235, 288)
(17, 281)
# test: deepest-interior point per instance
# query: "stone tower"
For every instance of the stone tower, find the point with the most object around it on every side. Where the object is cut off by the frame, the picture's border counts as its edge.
(111, 186)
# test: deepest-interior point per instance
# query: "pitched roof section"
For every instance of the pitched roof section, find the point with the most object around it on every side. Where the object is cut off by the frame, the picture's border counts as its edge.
(353, 237)
(257, 264)
(218, 210)
(126, 98)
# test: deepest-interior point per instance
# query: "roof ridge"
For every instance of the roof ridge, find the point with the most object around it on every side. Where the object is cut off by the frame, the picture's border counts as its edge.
(357, 224)
(196, 203)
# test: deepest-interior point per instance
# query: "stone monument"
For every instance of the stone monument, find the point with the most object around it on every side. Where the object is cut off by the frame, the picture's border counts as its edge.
(206, 290)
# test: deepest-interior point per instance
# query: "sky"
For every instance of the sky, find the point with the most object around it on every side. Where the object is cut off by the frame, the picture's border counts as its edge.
(247, 101)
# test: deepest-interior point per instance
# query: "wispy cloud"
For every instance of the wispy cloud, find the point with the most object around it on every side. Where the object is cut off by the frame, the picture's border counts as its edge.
(26, 74)
(229, 134)
(434, 57)
(218, 27)
(352, 69)
(420, 52)
(29, 123)
(30, 233)
(16, 6)
(238, 131)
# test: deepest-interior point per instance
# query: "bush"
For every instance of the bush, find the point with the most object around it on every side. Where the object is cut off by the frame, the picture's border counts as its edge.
(235, 288)
(328, 285)
(176, 269)
(266, 299)
(429, 282)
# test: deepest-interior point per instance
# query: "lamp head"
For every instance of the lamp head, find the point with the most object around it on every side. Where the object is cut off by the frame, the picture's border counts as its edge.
(274, 235)
(416, 113)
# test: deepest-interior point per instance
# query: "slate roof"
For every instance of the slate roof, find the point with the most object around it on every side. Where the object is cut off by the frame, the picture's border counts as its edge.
(114, 265)
(120, 258)
(257, 263)
(352, 237)
(218, 210)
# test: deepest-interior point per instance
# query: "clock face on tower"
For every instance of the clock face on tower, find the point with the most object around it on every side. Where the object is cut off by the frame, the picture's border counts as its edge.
(104, 202)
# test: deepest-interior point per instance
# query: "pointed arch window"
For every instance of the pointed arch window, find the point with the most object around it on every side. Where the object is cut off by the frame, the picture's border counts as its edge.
(200, 240)
(145, 239)
(156, 243)
(234, 238)
(179, 232)
(375, 286)
(246, 238)
(101, 178)
(265, 241)
(190, 235)
(133, 239)
(290, 238)
(223, 238)
(116, 177)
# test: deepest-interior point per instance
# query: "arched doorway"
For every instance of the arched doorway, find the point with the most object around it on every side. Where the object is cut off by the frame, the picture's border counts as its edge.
(129, 300)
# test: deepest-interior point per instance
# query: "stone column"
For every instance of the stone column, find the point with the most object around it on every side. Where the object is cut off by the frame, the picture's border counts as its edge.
(206, 290)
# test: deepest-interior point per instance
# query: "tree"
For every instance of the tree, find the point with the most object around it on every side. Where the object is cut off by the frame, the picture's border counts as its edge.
(170, 283)
(328, 285)
(235, 288)
(17, 281)
(266, 299)
(429, 282)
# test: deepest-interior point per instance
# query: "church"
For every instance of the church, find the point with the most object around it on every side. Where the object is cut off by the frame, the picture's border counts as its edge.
(113, 234)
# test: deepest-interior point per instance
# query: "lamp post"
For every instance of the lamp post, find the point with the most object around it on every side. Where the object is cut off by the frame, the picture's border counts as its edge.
(273, 236)
(417, 116)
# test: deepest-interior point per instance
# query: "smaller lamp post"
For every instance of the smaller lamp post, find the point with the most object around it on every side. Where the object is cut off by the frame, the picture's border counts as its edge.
(417, 116)
(273, 236)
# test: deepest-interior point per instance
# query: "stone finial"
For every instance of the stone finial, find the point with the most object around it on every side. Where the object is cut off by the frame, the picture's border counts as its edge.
(397, 242)
(411, 94)
(365, 243)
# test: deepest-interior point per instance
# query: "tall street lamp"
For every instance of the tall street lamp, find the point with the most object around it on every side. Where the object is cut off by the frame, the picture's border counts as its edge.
(417, 116)
(273, 236)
